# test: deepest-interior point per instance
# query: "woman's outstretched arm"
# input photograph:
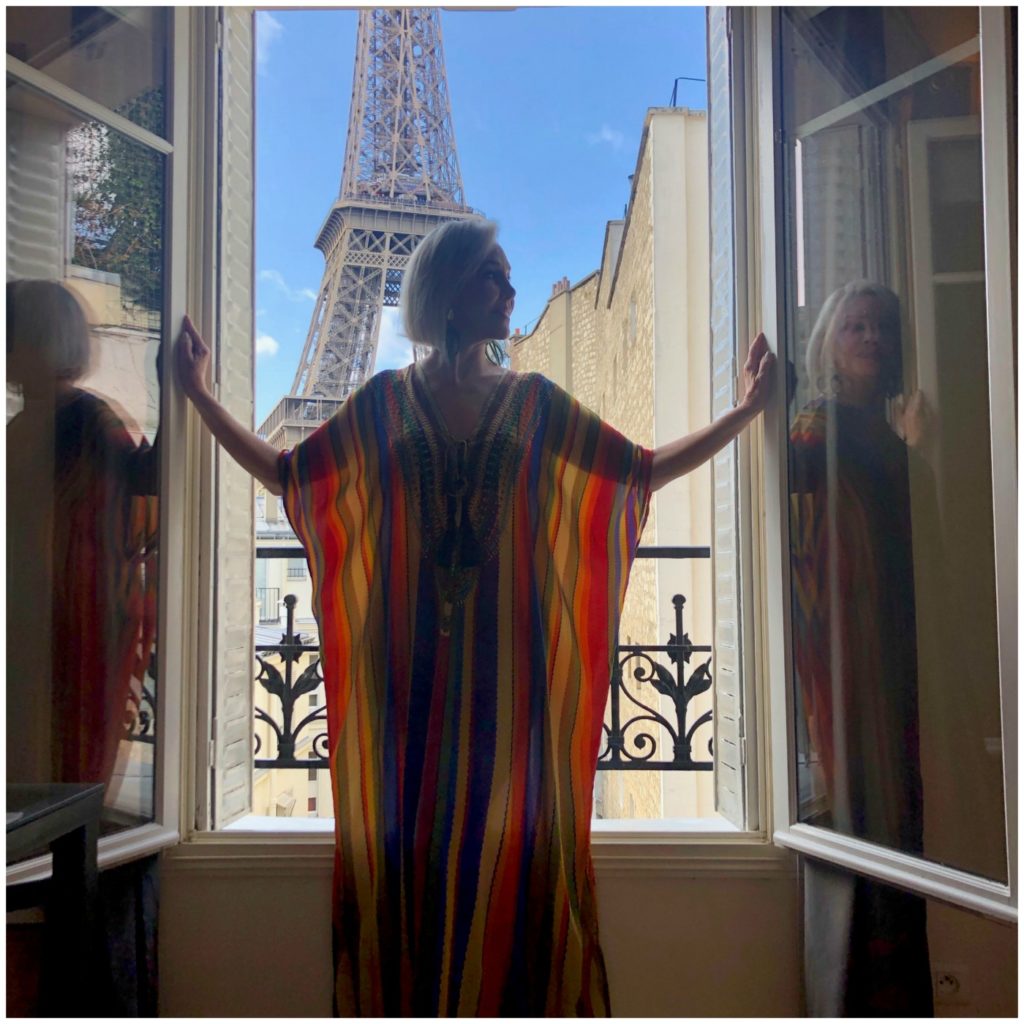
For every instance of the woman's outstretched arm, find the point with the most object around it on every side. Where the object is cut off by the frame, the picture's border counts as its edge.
(680, 457)
(253, 454)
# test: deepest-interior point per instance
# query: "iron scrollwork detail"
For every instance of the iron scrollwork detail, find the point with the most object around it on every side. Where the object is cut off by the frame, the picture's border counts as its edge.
(288, 690)
(140, 716)
(140, 709)
(631, 734)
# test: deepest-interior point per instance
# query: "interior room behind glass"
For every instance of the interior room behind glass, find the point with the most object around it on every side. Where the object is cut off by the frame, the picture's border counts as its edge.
(883, 191)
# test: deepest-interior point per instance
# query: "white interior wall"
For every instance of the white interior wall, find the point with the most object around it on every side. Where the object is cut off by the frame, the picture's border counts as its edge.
(712, 936)
(255, 941)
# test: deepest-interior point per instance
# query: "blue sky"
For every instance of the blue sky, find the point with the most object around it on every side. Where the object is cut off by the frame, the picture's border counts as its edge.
(547, 105)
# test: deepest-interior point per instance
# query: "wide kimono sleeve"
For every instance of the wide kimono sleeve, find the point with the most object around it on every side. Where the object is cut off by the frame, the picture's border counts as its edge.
(593, 516)
(604, 478)
(311, 476)
(329, 496)
(324, 474)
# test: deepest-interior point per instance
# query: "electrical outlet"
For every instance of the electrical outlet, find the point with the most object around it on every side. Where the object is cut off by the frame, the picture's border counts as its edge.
(951, 984)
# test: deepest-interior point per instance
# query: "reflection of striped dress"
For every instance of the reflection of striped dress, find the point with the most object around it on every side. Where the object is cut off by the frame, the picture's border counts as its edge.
(855, 654)
(104, 583)
(468, 595)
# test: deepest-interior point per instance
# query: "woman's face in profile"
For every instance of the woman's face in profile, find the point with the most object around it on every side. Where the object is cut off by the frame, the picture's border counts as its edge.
(484, 306)
(864, 342)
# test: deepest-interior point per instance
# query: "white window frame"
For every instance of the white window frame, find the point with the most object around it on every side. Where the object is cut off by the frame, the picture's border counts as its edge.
(173, 630)
(616, 845)
(912, 873)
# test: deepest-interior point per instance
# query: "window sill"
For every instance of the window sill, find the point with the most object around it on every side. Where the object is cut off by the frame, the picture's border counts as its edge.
(258, 849)
(266, 824)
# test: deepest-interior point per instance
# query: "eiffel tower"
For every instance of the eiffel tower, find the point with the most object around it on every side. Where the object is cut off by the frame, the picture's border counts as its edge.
(400, 179)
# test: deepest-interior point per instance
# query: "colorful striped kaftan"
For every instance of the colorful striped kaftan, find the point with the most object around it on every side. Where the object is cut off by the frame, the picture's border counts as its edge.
(468, 595)
(88, 540)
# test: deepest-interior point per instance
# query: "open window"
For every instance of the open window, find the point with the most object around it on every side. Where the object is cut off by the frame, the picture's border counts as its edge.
(225, 695)
(97, 166)
(887, 247)
(657, 759)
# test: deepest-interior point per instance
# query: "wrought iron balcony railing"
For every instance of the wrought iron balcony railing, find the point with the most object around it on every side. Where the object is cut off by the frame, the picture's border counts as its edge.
(645, 678)
(140, 711)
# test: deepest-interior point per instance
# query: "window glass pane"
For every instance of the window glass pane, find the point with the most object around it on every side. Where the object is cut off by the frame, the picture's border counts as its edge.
(114, 55)
(893, 603)
(85, 260)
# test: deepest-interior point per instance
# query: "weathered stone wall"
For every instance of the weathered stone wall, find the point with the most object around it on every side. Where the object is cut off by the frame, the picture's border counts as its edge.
(531, 353)
(586, 340)
(624, 381)
(616, 343)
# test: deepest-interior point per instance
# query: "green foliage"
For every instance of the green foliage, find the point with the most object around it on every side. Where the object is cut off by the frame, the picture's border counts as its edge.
(119, 202)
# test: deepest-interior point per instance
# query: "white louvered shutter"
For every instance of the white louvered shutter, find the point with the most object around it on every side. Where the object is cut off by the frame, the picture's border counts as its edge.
(232, 770)
(730, 748)
(36, 201)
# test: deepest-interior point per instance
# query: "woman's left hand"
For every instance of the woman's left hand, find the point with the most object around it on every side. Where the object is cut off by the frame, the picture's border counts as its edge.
(758, 376)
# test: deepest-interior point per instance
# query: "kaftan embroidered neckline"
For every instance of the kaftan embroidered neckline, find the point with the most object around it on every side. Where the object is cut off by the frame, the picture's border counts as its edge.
(463, 487)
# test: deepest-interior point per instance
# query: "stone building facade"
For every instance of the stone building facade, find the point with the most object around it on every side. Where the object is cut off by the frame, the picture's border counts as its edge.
(631, 342)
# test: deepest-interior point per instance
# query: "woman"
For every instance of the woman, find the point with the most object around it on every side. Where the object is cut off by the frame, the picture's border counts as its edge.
(855, 649)
(81, 550)
(469, 532)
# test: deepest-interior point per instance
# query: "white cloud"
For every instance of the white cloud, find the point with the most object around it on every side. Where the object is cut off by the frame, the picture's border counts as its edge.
(266, 345)
(394, 350)
(295, 294)
(607, 136)
(268, 28)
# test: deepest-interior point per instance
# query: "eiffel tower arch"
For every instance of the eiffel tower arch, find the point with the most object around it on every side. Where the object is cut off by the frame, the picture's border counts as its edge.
(400, 179)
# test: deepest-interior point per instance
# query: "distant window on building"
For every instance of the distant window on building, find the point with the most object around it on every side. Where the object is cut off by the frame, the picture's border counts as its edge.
(296, 569)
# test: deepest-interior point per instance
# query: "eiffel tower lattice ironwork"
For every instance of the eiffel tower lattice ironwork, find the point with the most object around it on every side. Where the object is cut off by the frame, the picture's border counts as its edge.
(400, 179)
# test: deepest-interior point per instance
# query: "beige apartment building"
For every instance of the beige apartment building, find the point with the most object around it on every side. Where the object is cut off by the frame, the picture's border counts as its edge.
(631, 342)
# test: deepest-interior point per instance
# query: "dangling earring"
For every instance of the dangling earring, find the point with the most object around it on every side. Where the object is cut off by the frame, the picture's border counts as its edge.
(496, 352)
(451, 338)
(829, 389)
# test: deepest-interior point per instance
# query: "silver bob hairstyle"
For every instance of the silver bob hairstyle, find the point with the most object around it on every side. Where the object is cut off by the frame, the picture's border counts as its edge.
(821, 370)
(438, 270)
(47, 332)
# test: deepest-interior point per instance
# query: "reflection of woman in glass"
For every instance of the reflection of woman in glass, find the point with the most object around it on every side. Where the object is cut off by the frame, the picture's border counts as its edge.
(854, 628)
(92, 545)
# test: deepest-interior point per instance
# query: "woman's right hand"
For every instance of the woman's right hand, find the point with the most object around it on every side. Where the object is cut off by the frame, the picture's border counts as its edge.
(192, 356)
(913, 419)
